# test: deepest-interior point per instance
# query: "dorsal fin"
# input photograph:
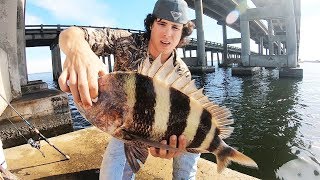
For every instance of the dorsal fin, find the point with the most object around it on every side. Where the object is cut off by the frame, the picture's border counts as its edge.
(169, 74)
(190, 88)
(144, 67)
(172, 76)
(155, 66)
(197, 94)
(165, 69)
(181, 82)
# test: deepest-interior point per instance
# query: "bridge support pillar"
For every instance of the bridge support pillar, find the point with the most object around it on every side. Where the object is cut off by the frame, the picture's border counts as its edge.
(225, 45)
(245, 37)
(261, 46)
(291, 36)
(291, 72)
(8, 43)
(270, 37)
(21, 43)
(201, 54)
(56, 61)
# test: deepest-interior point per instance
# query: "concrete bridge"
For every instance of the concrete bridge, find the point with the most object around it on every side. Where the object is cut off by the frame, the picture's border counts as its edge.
(281, 36)
(47, 35)
(277, 36)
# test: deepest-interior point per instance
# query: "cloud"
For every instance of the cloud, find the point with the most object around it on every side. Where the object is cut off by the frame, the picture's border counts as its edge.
(308, 48)
(82, 12)
(309, 30)
(32, 20)
(38, 60)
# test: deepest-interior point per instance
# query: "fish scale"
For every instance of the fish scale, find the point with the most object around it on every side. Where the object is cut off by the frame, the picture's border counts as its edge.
(142, 108)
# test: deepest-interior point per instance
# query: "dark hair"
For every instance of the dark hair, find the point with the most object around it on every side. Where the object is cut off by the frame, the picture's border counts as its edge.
(186, 30)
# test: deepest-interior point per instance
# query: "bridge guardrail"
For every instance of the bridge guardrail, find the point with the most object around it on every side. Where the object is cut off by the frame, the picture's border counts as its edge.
(58, 28)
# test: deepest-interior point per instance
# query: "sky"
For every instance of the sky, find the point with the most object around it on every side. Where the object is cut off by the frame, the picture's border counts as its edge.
(131, 13)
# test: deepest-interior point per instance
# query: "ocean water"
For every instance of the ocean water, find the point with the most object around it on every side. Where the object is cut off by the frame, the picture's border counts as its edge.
(276, 120)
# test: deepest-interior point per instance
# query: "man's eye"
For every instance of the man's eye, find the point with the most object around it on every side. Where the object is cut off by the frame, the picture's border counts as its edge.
(176, 28)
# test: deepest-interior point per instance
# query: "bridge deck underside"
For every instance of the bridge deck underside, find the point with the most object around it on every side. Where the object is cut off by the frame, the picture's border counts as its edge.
(219, 9)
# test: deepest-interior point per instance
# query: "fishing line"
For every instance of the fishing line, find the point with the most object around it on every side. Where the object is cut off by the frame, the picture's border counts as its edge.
(33, 143)
(30, 141)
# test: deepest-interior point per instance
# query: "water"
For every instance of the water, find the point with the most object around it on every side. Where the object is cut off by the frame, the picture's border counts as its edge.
(78, 121)
(276, 120)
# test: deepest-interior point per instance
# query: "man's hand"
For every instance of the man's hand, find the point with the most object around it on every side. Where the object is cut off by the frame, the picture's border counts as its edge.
(168, 154)
(81, 68)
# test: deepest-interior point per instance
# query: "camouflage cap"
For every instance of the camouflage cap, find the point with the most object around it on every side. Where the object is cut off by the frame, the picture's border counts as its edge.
(171, 10)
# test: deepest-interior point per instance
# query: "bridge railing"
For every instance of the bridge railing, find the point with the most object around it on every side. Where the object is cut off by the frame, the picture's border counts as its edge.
(60, 27)
(57, 28)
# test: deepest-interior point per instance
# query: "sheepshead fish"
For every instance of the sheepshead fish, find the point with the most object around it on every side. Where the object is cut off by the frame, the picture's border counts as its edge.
(142, 108)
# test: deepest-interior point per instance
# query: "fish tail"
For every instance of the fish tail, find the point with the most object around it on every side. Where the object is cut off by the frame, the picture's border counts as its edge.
(227, 154)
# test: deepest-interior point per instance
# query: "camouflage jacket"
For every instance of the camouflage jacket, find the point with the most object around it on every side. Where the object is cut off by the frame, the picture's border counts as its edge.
(129, 49)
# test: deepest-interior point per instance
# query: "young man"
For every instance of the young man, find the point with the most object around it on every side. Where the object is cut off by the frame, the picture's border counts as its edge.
(166, 29)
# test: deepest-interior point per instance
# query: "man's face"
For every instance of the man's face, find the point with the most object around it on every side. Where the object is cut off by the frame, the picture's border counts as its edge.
(165, 36)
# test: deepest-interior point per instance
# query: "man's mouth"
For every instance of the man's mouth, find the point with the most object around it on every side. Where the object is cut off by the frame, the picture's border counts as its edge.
(165, 42)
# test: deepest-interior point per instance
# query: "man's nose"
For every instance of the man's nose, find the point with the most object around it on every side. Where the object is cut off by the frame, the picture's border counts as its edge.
(168, 32)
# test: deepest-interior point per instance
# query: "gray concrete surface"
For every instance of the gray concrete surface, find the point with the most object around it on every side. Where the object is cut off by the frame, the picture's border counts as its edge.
(86, 147)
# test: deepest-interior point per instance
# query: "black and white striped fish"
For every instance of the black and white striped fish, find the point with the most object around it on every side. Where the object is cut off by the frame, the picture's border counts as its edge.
(142, 108)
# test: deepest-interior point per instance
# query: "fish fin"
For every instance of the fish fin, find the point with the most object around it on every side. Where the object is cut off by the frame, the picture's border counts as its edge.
(149, 142)
(164, 70)
(204, 100)
(172, 76)
(227, 154)
(155, 66)
(181, 82)
(225, 132)
(144, 67)
(134, 153)
(190, 87)
(197, 94)
(222, 115)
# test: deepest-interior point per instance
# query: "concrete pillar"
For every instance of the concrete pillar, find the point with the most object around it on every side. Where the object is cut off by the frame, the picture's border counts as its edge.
(291, 36)
(211, 58)
(104, 59)
(201, 54)
(225, 45)
(184, 52)
(8, 42)
(21, 42)
(56, 61)
(261, 46)
(279, 47)
(245, 37)
(270, 34)
(218, 58)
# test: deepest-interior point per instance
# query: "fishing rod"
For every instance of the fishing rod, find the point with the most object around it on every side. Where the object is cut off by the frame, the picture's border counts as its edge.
(32, 142)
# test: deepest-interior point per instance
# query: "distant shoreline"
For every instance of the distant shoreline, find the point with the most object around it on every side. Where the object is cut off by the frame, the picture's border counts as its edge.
(316, 61)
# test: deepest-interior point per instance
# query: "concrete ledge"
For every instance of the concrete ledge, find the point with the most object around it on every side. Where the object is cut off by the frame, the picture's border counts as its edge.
(86, 147)
(48, 110)
(34, 86)
(201, 69)
(244, 71)
(291, 72)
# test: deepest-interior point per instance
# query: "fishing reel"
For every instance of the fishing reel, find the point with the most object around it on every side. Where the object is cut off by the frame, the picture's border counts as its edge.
(35, 144)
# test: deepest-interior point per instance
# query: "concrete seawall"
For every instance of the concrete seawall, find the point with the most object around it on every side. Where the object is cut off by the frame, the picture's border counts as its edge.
(48, 110)
(86, 147)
